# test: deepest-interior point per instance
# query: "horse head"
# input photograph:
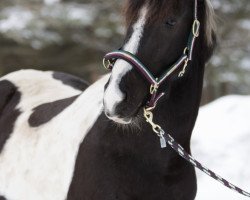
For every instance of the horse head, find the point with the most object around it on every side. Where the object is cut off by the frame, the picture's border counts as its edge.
(158, 32)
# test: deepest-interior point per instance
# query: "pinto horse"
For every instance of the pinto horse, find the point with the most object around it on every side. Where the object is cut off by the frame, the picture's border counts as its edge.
(63, 139)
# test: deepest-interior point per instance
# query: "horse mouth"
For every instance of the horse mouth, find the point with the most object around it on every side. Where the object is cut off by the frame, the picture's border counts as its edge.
(124, 118)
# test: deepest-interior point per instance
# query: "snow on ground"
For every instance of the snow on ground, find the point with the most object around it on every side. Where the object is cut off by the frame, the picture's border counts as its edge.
(221, 141)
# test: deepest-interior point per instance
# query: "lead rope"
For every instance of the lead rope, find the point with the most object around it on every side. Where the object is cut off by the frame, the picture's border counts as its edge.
(168, 139)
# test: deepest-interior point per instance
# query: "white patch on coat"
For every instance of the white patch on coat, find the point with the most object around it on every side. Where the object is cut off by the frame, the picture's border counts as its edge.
(113, 95)
(38, 163)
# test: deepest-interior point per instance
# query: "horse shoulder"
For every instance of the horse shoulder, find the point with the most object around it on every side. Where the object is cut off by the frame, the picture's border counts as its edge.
(45, 94)
(29, 93)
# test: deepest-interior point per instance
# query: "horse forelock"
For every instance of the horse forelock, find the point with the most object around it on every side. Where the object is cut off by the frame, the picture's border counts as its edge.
(158, 10)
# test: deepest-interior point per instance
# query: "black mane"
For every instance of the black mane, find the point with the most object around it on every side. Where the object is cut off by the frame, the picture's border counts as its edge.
(158, 9)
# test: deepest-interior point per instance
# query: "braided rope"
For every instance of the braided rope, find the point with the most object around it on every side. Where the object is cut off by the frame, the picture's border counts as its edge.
(180, 150)
(166, 138)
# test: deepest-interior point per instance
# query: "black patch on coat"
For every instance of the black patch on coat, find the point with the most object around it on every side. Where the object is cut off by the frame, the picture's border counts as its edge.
(2, 198)
(46, 112)
(71, 80)
(117, 164)
(9, 99)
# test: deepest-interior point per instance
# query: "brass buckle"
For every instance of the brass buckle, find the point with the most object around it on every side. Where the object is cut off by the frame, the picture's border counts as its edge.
(196, 28)
(156, 128)
(185, 52)
(154, 88)
(183, 71)
(107, 64)
(149, 118)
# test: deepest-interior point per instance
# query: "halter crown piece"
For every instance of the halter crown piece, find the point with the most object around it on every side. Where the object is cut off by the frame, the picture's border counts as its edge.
(110, 59)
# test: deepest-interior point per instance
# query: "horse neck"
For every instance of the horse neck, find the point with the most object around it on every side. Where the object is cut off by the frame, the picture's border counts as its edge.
(178, 111)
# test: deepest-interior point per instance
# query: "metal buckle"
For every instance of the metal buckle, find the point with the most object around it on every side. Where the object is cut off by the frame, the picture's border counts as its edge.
(183, 71)
(156, 128)
(196, 28)
(149, 118)
(107, 64)
(154, 88)
(185, 52)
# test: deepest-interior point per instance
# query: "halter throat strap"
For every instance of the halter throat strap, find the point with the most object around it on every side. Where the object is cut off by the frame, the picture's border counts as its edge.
(187, 56)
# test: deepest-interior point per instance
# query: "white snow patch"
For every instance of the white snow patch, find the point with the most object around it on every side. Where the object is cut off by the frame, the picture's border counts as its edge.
(51, 2)
(15, 18)
(26, 25)
(245, 24)
(221, 141)
(245, 63)
(74, 12)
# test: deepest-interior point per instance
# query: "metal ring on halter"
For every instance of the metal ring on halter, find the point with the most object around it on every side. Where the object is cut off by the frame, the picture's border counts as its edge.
(154, 88)
(107, 64)
(196, 28)
(185, 51)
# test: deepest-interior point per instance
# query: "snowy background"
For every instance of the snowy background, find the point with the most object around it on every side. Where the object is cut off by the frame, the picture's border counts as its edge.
(221, 141)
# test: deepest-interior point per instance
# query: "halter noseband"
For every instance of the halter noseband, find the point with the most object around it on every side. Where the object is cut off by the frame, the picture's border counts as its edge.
(110, 59)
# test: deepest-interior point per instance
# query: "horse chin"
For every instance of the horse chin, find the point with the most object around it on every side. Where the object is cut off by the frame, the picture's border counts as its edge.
(124, 121)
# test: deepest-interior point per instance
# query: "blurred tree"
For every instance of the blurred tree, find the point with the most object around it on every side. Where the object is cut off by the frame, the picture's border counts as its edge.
(69, 36)
(229, 68)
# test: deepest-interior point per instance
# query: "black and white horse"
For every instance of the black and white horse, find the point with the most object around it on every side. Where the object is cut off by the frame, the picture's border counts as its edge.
(62, 139)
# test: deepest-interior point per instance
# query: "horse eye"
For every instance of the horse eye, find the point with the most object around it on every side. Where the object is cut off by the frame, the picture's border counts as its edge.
(171, 22)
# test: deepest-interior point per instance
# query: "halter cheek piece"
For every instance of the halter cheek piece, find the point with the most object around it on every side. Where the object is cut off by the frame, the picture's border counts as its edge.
(110, 59)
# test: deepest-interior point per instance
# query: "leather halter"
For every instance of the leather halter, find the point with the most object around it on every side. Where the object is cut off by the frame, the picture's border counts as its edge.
(110, 59)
